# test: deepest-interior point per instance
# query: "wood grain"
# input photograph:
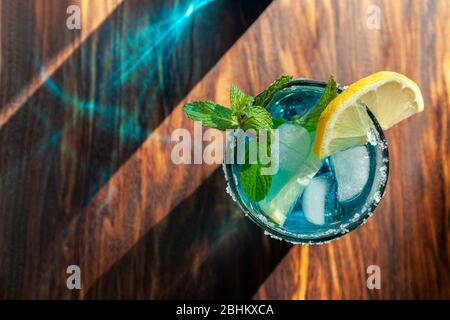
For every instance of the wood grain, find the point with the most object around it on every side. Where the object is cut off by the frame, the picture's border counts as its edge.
(152, 229)
(44, 59)
(391, 238)
(409, 235)
(86, 121)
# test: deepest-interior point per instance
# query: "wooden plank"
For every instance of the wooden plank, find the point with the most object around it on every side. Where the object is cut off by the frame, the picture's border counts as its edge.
(81, 126)
(408, 238)
(409, 242)
(47, 55)
(132, 239)
(34, 38)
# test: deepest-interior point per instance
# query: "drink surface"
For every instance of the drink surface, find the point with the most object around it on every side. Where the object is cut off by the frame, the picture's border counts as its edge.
(312, 200)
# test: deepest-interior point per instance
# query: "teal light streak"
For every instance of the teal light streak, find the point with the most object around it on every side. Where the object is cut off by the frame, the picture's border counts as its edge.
(140, 48)
(161, 35)
(189, 10)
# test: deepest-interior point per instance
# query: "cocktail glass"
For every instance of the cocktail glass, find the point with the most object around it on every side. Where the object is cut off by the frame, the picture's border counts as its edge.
(319, 200)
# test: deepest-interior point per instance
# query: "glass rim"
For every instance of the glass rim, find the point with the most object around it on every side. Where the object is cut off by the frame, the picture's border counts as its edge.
(271, 229)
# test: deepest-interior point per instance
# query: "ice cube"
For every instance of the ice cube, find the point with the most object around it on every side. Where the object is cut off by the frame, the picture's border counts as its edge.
(314, 200)
(351, 168)
(297, 166)
(294, 147)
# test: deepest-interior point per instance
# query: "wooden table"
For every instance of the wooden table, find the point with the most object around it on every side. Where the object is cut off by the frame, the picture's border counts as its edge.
(85, 172)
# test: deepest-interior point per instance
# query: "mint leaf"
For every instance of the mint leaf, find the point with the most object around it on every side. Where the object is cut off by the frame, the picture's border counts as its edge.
(278, 122)
(238, 99)
(309, 121)
(255, 117)
(255, 185)
(246, 113)
(264, 98)
(211, 115)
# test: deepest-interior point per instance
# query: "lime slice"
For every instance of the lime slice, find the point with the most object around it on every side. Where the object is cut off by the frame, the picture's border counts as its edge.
(297, 166)
(390, 96)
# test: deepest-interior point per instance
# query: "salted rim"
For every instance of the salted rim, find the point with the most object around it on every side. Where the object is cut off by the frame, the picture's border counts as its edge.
(278, 232)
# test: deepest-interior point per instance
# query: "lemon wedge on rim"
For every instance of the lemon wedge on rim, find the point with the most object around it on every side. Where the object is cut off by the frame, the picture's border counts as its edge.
(390, 96)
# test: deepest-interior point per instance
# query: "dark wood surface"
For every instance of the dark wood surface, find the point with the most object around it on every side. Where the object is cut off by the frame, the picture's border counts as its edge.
(85, 169)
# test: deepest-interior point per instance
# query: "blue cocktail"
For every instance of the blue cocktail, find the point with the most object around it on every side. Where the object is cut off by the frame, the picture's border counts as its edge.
(314, 200)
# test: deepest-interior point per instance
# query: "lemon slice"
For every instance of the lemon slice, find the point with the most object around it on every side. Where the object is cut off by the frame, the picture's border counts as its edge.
(390, 96)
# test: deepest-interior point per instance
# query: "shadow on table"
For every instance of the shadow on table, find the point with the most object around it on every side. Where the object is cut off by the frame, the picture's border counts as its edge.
(204, 249)
(72, 135)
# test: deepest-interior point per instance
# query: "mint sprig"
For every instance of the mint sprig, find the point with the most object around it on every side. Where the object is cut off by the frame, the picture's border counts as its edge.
(238, 99)
(211, 115)
(309, 121)
(255, 117)
(278, 122)
(255, 185)
(247, 113)
(264, 98)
